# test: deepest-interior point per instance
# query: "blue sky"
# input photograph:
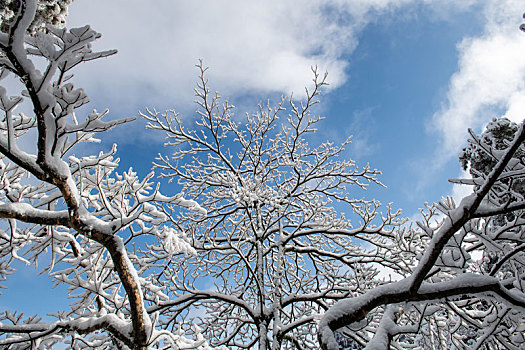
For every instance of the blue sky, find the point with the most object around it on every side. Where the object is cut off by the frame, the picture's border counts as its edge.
(407, 77)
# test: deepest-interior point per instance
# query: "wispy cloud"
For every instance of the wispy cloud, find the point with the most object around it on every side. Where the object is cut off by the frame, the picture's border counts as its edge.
(264, 46)
(268, 47)
(361, 127)
(490, 77)
(261, 47)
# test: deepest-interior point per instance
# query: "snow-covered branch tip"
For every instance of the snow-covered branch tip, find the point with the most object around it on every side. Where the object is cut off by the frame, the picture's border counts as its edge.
(272, 241)
(488, 224)
(79, 212)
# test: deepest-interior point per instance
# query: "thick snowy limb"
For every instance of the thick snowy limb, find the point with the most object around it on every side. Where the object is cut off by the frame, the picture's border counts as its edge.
(29, 332)
(412, 288)
(79, 210)
(26, 213)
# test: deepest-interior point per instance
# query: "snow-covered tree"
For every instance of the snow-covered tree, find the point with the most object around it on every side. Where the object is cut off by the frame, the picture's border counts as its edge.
(275, 249)
(76, 209)
(467, 289)
(51, 12)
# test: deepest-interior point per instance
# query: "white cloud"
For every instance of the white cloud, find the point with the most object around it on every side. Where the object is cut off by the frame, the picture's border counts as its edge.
(490, 77)
(268, 47)
(264, 46)
(261, 47)
(516, 106)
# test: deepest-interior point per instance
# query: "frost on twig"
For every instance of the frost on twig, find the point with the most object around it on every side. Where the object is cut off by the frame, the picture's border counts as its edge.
(467, 288)
(273, 241)
(81, 212)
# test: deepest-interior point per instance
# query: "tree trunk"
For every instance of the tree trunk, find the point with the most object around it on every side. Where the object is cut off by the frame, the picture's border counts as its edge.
(263, 336)
(277, 295)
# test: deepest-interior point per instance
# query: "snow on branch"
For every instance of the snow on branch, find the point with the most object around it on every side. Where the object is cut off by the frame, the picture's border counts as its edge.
(272, 241)
(488, 224)
(81, 212)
